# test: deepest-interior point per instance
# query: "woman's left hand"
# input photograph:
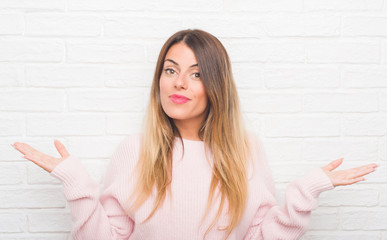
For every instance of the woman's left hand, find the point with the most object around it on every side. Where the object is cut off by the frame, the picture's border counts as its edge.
(348, 176)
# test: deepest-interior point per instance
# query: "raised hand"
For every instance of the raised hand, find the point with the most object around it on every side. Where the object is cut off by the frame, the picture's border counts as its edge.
(348, 176)
(44, 161)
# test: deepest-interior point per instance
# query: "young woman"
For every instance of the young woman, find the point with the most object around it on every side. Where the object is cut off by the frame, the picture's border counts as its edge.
(195, 172)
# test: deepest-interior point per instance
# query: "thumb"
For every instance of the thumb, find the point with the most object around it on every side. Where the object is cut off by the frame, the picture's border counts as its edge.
(333, 165)
(61, 149)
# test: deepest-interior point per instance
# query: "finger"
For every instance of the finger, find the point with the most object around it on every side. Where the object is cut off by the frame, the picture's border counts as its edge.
(333, 165)
(24, 148)
(361, 172)
(352, 181)
(61, 148)
(32, 154)
(358, 170)
(371, 165)
(41, 164)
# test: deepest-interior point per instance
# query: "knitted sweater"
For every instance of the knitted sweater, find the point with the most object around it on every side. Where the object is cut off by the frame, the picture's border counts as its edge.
(105, 216)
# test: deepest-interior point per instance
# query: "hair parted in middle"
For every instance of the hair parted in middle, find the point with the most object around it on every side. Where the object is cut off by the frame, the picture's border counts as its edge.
(222, 131)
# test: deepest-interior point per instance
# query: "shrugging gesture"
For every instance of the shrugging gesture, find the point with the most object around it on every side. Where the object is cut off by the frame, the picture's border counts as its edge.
(44, 161)
(348, 176)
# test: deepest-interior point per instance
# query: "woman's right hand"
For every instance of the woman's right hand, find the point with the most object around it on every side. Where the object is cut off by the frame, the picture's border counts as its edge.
(44, 161)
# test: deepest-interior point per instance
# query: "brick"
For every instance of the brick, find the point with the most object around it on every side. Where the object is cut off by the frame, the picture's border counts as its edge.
(379, 176)
(106, 100)
(358, 196)
(105, 51)
(64, 76)
(290, 150)
(324, 219)
(12, 173)
(15, 222)
(364, 26)
(31, 50)
(101, 5)
(248, 76)
(39, 236)
(11, 24)
(49, 221)
(332, 149)
(10, 75)
(95, 147)
(302, 126)
(254, 51)
(383, 101)
(264, 6)
(32, 100)
(8, 153)
(364, 219)
(288, 172)
(37, 175)
(153, 50)
(384, 54)
(364, 125)
(341, 235)
(200, 5)
(364, 77)
(344, 5)
(30, 197)
(141, 26)
(343, 52)
(62, 25)
(253, 122)
(301, 77)
(341, 102)
(124, 123)
(383, 149)
(252, 101)
(11, 124)
(383, 195)
(305, 25)
(227, 25)
(33, 5)
(129, 76)
(65, 125)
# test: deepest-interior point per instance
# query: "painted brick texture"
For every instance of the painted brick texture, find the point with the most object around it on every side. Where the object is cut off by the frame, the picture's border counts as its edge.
(311, 77)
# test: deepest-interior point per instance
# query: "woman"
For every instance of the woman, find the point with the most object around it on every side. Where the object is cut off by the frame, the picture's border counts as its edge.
(195, 172)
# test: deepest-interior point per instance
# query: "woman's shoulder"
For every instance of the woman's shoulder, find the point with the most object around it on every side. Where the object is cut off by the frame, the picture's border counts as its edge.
(127, 152)
(257, 149)
(255, 140)
(131, 140)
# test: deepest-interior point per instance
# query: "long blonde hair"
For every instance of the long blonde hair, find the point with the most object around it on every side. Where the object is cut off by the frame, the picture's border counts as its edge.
(222, 132)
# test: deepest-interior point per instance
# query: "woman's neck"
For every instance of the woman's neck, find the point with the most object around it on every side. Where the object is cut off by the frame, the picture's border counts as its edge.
(188, 129)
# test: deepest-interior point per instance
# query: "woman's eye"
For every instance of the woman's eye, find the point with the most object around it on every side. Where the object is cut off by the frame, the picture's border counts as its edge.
(196, 75)
(169, 71)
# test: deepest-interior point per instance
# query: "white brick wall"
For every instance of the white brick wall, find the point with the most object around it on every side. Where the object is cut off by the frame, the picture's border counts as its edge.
(312, 79)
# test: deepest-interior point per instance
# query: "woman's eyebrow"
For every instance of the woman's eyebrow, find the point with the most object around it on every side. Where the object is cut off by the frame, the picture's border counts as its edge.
(170, 60)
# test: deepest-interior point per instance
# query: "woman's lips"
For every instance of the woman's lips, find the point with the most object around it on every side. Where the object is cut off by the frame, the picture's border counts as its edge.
(179, 99)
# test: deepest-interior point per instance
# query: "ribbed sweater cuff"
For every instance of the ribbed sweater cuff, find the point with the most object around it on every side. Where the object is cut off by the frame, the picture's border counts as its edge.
(75, 178)
(317, 182)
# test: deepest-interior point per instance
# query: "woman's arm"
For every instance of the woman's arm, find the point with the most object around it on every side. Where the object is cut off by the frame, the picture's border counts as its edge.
(94, 217)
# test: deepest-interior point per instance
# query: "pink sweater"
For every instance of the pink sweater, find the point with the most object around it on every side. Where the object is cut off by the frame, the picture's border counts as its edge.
(103, 217)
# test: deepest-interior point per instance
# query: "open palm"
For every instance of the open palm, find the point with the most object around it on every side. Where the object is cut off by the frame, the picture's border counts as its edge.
(45, 161)
(348, 176)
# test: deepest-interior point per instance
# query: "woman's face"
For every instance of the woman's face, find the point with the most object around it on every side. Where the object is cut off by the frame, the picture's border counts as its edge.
(183, 97)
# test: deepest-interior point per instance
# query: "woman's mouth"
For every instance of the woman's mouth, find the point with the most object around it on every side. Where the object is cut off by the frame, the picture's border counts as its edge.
(179, 99)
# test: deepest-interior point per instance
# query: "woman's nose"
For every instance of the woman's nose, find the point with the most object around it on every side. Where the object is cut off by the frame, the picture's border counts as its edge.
(181, 82)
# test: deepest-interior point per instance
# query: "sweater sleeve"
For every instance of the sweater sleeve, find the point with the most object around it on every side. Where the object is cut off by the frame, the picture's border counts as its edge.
(94, 216)
(288, 222)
